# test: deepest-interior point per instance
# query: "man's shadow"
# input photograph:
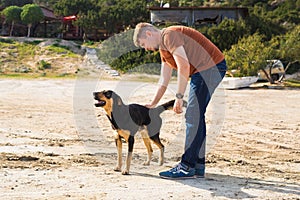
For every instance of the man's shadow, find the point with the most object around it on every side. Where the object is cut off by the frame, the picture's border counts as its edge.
(232, 186)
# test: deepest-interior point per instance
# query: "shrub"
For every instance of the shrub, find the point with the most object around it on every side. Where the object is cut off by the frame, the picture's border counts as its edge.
(44, 65)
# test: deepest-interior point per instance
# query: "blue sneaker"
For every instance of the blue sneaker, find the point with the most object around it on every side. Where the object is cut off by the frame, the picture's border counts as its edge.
(181, 171)
(199, 173)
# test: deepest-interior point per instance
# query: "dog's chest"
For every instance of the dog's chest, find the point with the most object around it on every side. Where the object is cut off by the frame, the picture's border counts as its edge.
(112, 121)
(124, 134)
(108, 112)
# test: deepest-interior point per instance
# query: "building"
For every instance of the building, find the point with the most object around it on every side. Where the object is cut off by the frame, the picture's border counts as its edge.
(195, 15)
(50, 25)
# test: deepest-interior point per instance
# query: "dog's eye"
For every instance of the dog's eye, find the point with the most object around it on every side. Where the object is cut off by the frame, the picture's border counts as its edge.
(108, 94)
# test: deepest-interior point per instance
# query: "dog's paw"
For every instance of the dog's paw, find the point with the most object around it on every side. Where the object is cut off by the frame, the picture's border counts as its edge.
(146, 163)
(117, 169)
(125, 172)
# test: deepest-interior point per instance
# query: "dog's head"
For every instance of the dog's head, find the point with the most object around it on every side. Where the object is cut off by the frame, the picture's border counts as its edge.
(104, 98)
(107, 99)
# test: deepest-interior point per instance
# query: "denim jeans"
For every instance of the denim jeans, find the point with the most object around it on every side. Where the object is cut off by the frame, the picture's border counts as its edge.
(202, 86)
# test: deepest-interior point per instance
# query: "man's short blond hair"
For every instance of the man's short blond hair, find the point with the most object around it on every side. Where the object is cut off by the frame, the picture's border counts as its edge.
(140, 32)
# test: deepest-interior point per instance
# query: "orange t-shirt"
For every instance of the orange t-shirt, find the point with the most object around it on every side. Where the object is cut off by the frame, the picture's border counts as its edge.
(201, 52)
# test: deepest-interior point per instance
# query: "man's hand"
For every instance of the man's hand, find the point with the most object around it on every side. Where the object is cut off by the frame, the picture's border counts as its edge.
(151, 105)
(178, 106)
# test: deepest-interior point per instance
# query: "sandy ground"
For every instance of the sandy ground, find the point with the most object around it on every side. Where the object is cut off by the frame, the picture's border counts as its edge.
(55, 145)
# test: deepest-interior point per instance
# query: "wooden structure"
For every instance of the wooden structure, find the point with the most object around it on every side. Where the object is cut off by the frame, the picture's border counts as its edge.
(195, 15)
(51, 22)
(71, 31)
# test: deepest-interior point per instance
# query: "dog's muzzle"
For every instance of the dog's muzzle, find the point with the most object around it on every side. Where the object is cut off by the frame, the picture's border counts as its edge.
(100, 103)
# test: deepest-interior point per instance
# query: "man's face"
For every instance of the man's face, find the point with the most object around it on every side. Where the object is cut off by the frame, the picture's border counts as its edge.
(150, 42)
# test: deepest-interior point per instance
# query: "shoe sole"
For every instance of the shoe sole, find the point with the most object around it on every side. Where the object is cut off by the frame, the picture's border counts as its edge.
(199, 176)
(178, 178)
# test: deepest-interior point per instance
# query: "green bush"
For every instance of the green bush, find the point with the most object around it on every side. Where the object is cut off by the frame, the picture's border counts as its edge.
(120, 53)
(44, 65)
(8, 41)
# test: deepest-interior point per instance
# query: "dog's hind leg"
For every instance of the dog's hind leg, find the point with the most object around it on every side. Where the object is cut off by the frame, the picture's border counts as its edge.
(119, 150)
(129, 155)
(155, 138)
(147, 143)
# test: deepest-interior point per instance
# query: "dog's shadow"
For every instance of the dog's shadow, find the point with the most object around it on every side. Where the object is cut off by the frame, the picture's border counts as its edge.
(232, 186)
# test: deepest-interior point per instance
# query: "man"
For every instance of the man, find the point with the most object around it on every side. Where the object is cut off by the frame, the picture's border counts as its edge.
(193, 56)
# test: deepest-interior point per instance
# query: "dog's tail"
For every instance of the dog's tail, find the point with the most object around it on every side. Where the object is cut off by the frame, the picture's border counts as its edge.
(168, 106)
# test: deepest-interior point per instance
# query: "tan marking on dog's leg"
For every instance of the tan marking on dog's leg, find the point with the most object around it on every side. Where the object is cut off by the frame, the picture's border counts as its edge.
(118, 168)
(128, 162)
(162, 150)
(124, 133)
(162, 157)
(147, 143)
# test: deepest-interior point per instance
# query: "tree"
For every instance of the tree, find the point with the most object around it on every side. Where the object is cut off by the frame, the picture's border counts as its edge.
(249, 55)
(66, 7)
(31, 14)
(47, 3)
(228, 32)
(286, 12)
(290, 45)
(12, 15)
(121, 54)
(264, 26)
(287, 47)
(109, 15)
(20, 3)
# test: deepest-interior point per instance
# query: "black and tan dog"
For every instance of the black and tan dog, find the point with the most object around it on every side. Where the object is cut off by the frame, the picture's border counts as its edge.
(127, 120)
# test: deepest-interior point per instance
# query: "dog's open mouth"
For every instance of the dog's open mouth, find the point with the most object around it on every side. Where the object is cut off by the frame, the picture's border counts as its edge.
(100, 103)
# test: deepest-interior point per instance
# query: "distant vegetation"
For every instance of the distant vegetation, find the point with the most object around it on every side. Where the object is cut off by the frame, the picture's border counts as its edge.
(270, 32)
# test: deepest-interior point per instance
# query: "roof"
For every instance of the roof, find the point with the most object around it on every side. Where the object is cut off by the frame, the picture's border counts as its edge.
(199, 8)
(49, 14)
(70, 18)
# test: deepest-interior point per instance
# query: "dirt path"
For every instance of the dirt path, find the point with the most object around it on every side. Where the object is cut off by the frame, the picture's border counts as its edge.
(55, 145)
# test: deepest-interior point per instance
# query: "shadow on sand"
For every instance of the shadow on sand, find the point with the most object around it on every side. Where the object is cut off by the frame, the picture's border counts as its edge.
(229, 186)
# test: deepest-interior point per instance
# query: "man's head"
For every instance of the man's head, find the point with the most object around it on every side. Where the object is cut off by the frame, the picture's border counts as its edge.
(146, 36)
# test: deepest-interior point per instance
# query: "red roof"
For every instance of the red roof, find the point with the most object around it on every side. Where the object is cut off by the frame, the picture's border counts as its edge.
(69, 18)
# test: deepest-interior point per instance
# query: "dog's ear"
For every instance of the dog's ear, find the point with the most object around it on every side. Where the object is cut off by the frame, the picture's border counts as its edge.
(108, 94)
(119, 101)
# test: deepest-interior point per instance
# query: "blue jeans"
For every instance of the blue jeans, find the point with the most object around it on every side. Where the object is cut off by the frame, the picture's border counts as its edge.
(202, 86)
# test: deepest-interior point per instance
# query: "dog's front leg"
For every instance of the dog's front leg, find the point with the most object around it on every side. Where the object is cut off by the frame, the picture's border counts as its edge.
(118, 141)
(129, 155)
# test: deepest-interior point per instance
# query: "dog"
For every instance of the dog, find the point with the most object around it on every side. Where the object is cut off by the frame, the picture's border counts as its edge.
(127, 120)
